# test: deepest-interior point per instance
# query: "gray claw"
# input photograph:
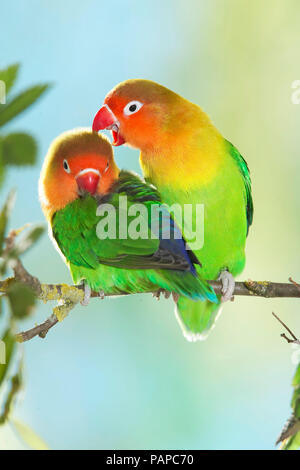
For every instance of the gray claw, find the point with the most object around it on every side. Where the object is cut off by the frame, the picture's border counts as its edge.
(87, 295)
(164, 292)
(101, 294)
(228, 285)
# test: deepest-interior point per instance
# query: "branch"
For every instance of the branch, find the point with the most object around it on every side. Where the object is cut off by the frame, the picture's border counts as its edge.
(69, 296)
(295, 340)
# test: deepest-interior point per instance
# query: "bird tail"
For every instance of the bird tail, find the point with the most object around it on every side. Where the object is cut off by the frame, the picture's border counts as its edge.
(196, 319)
(189, 285)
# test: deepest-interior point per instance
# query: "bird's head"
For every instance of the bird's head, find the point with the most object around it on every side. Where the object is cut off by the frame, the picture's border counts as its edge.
(142, 113)
(77, 162)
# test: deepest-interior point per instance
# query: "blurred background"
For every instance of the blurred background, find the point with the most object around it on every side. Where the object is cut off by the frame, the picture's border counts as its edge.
(119, 374)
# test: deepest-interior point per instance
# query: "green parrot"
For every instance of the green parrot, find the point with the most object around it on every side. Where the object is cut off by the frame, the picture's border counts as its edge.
(189, 162)
(106, 244)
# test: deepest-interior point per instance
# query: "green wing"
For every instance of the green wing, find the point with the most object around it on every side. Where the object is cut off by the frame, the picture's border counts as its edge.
(243, 167)
(76, 230)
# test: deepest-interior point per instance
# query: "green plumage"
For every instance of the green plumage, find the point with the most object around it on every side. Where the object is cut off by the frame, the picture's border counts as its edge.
(118, 265)
(243, 167)
(228, 207)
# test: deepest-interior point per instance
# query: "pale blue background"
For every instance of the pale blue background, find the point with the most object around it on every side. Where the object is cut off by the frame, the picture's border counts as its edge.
(119, 374)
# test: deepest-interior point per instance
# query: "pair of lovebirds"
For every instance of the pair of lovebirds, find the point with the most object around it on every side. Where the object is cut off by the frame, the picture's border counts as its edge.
(185, 160)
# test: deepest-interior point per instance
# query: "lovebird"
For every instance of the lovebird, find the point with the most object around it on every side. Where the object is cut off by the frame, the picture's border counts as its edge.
(90, 206)
(189, 162)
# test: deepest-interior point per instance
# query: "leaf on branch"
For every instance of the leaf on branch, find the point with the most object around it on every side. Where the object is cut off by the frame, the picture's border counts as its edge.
(296, 379)
(290, 436)
(9, 341)
(2, 168)
(21, 300)
(30, 438)
(9, 75)
(21, 102)
(4, 215)
(19, 149)
(15, 385)
(33, 233)
(293, 443)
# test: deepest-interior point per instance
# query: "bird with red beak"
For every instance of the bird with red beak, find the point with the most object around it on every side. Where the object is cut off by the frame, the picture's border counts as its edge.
(80, 188)
(189, 162)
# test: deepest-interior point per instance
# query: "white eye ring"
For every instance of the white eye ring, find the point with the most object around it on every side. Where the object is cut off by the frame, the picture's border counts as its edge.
(66, 166)
(132, 107)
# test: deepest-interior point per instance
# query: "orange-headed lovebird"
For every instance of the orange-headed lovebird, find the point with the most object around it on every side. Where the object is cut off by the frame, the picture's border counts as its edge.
(91, 207)
(189, 161)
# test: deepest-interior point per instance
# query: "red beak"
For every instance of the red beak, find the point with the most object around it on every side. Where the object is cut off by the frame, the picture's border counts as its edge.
(87, 180)
(105, 119)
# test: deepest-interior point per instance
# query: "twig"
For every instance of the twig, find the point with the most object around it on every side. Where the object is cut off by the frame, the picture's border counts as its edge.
(266, 289)
(69, 296)
(39, 330)
(295, 340)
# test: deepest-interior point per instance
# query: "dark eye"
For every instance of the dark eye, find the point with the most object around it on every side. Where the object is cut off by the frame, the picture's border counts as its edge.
(66, 166)
(132, 107)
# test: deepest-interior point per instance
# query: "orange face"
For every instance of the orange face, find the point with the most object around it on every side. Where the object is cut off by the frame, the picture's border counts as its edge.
(140, 113)
(77, 162)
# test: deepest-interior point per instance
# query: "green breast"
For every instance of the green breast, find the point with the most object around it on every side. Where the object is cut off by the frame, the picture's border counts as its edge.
(224, 224)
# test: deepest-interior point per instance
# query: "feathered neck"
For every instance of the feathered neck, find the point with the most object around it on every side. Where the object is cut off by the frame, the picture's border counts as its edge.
(185, 160)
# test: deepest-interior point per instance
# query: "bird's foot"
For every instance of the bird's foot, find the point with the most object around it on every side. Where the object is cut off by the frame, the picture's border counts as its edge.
(87, 295)
(101, 294)
(164, 292)
(228, 285)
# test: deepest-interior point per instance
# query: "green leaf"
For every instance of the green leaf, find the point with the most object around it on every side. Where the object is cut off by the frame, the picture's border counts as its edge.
(293, 443)
(15, 386)
(296, 379)
(21, 102)
(21, 300)
(2, 169)
(32, 235)
(34, 441)
(4, 215)
(19, 149)
(9, 76)
(10, 344)
(291, 432)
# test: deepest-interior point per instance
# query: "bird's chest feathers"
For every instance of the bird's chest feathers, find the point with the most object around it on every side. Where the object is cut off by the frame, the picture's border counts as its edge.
(184, 165)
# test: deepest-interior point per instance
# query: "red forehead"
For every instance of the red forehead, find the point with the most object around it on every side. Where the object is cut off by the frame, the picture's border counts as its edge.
(88, 160)
(116, 102)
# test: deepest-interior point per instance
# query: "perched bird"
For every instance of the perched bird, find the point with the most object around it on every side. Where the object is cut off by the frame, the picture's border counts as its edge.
(81, 187)
(189, 161)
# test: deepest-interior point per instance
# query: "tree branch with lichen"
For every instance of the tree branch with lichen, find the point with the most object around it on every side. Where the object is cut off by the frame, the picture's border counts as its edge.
(68, 296)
